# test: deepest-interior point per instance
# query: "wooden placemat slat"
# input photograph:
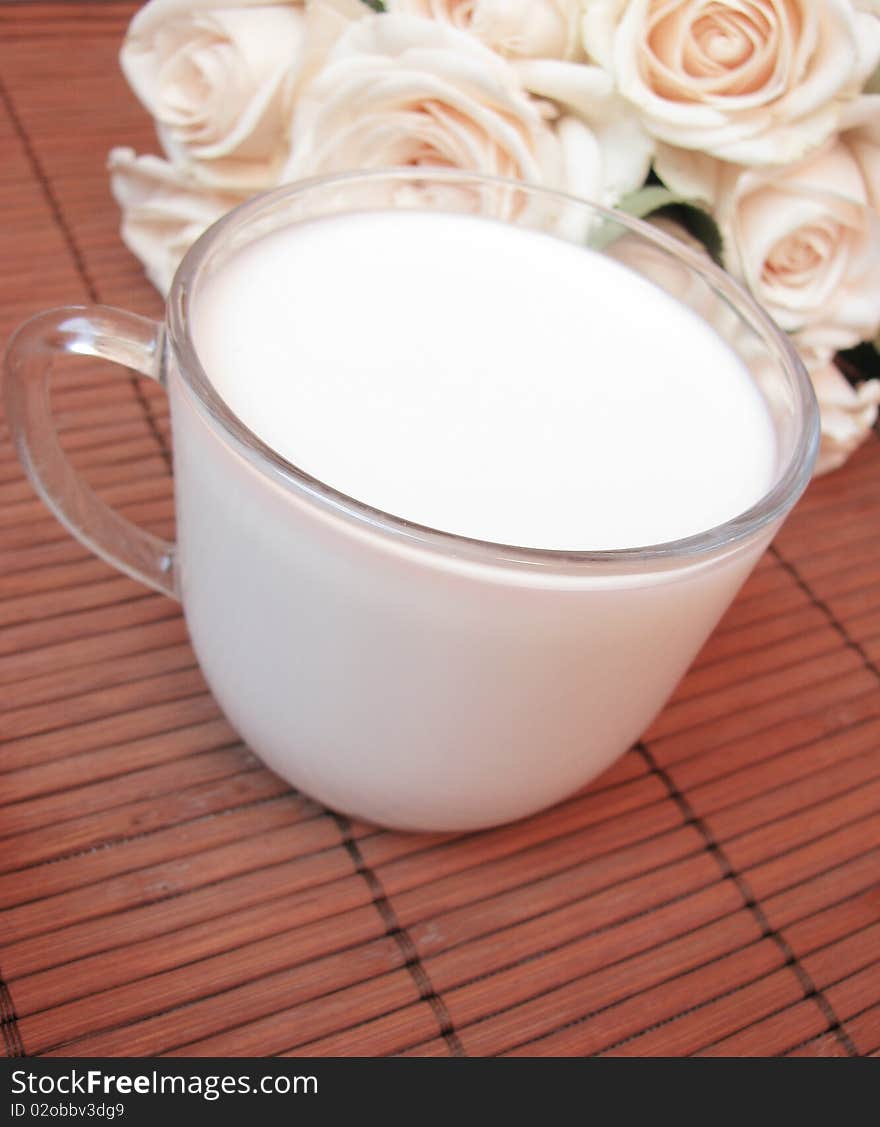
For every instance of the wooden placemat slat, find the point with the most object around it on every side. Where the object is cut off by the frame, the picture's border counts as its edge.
(714, 892)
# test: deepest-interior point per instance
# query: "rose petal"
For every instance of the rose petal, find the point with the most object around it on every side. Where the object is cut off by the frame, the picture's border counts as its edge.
(163, 212)
(846, 414)
(761, 83)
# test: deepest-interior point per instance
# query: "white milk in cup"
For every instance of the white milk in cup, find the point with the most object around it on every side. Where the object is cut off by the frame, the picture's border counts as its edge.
(459, 499)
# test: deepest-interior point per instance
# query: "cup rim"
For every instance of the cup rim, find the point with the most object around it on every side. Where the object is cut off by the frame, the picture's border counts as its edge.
(771, 507)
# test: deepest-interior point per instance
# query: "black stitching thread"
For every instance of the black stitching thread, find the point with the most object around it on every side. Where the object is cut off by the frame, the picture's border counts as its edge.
(9, 1023)
(811, 991)
(833, 620)
(75, 253)
(819, 1036)
(401, 936)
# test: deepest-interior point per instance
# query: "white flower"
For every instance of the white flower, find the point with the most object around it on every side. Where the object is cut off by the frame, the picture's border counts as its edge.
(587, 93)
(536, 29)
(753, 82)
(219, 77)
(399, 90)
(163, 212)
(861, 135)
(846, 413)
(806, 238)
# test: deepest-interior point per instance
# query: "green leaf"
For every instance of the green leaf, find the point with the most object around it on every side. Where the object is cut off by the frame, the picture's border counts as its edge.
(644, 201)
(699, 223)
(656, 199)
(376, 5)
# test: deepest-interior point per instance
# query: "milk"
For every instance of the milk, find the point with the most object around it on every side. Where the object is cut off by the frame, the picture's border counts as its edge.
(486, 380)
(479, 379)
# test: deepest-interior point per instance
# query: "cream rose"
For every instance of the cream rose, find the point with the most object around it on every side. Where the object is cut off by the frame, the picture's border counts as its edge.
(399, 90)
(753, 82)
(538, 29)
(805, 239)
(587, 93)
(847, 413)
(163, 212)
(861, 136)
(219, 78)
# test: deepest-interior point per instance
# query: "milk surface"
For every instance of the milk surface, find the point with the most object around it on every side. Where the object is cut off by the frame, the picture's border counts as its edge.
(486, 380)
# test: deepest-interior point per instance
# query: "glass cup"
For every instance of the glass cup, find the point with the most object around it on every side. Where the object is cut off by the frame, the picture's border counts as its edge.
(401, 674)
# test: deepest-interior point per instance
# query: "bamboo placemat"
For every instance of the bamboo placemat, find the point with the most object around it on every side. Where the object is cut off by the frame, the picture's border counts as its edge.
(715, 892)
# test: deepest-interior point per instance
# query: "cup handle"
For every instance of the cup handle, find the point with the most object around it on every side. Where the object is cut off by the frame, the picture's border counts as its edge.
(124, 338)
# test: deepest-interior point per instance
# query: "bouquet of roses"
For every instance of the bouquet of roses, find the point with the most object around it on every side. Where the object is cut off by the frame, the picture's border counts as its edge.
(753, 125)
